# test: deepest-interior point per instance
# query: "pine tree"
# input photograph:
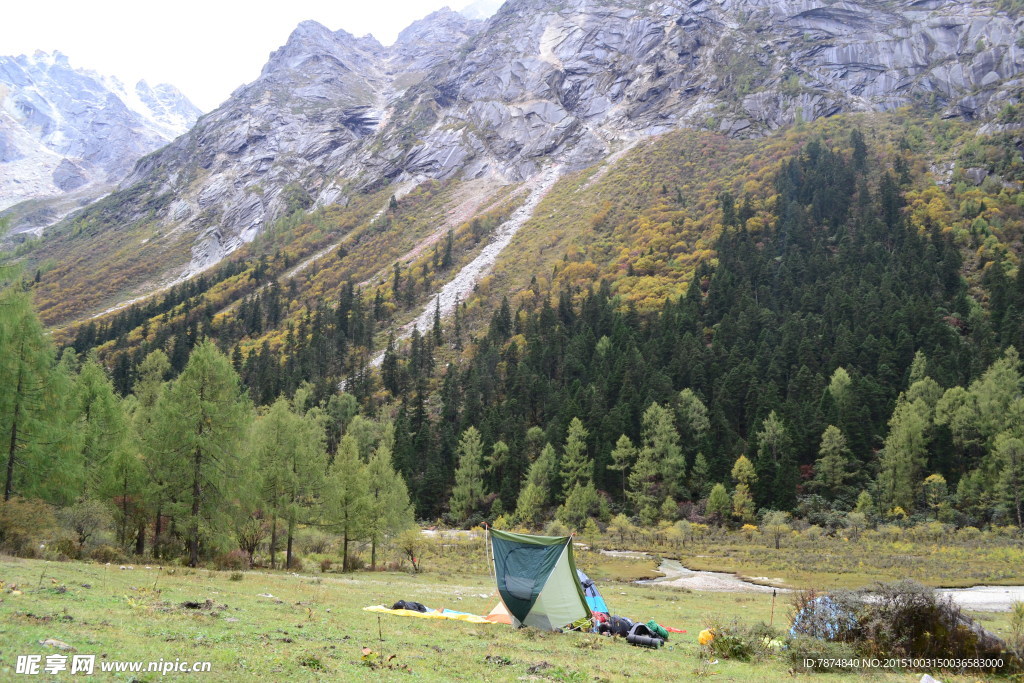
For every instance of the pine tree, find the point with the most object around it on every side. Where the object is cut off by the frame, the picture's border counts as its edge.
(437, 330)
(830, 470)
(468, 494)
(700, 481)
(536, 492)
(623, 457)
(200, 421)
(347, 500)
(576, 468)
(446, 258)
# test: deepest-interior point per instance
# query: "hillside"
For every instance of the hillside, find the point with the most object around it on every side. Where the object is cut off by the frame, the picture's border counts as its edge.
(333, 119)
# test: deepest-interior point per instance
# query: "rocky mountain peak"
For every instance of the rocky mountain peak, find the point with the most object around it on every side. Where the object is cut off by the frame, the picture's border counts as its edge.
(544, 82)
(64, 129)
(426, 43)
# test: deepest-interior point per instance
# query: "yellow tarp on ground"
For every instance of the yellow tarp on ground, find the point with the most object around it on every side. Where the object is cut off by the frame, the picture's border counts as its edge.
(433, 614)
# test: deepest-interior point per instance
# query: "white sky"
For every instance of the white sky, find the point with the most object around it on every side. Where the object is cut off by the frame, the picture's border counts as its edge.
(205, 48)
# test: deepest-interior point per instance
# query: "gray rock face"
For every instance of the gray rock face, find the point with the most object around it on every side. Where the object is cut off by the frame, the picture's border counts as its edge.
(63, 128)
(565, 82)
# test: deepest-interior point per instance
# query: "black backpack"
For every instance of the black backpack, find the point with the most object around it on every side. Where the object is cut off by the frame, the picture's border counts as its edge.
(408, 604)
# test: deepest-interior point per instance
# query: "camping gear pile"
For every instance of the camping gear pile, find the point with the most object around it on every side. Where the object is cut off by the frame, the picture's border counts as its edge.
(540, 586)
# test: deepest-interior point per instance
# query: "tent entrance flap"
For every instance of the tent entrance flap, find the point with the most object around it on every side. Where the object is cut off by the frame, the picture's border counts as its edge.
(537, 581)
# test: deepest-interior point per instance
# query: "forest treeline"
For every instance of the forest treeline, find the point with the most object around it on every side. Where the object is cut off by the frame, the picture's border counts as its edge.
(184, 467)
(831, 363)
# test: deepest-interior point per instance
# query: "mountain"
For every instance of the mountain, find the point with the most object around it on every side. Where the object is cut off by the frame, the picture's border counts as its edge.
(334, 119)
(71, 132)
(701, 229)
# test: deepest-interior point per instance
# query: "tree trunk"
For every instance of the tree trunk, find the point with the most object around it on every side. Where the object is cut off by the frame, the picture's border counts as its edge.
(140, 537)
(156, 534)
(124, 513)
(273, 542)
(288, 555)
(344, 553)
(373, 553)
(9, 483)
(197, 492)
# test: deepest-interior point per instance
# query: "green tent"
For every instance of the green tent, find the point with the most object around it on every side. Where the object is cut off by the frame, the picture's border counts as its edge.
(537, 579)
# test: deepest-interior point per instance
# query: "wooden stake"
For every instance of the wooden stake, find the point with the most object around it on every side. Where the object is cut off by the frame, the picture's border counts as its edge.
(771, 621)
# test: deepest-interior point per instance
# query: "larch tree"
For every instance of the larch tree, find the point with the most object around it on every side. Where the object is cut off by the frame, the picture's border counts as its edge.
(903, 456)
(289, 448)
(112, 470)
(660, 467)
(841, 392)
(1009, 456)
(388, 507)
(347, 501)
(623, 458)
(743, 473)
(719, 505)
(29, 400)
(201, 421)
(157, 457)
(693, 418)
(576, 468)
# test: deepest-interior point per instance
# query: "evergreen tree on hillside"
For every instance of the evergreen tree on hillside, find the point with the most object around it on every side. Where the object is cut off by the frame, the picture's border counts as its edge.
(904, 456)
(660, 469)
(535, 495)
(468, 494)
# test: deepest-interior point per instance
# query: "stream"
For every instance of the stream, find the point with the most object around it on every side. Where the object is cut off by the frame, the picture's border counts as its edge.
(979, 598)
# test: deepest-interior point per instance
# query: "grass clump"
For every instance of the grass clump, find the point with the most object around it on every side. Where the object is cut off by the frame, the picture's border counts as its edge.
(741, 642)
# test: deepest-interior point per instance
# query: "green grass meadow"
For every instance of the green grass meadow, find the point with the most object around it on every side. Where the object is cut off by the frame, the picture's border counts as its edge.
(314, 628)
